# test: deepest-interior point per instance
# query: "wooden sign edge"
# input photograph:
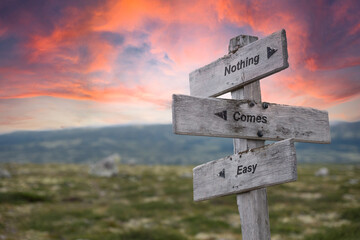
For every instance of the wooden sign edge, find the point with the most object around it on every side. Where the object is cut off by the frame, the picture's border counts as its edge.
(292, 179)
(284, 65)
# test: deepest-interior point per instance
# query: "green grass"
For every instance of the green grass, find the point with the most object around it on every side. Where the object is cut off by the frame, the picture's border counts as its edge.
(62, 201)
(352, 214)
(201, 223)
(152, 234)
(22, 197)
(349, 232)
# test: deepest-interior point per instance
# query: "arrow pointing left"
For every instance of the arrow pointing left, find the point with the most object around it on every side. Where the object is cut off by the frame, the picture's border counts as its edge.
(222, 114)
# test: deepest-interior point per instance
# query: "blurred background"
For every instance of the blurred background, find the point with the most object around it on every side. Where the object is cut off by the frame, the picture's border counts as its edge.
(86, 143)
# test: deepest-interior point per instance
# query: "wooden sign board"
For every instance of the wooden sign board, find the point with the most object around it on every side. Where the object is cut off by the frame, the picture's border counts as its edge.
(247, 119)
(253, 169)
(250, 63)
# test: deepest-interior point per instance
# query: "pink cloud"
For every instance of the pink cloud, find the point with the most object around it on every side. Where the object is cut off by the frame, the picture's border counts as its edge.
(142, 51)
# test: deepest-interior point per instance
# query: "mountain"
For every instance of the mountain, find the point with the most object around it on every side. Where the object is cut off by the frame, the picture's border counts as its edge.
(344, 147)
(152, 144)
(156, 144)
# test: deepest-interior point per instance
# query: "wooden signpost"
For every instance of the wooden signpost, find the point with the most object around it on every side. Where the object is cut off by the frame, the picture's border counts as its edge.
(245, 118)
(248, 64)
(252, 169)
(216, 117)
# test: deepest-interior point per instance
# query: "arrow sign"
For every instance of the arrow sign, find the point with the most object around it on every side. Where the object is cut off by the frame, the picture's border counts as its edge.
(250, 63)
(256, 168)
(222, 114)
(270, 52)
(247, 119)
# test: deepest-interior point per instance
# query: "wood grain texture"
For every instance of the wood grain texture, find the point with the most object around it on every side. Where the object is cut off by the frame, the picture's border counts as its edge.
(252, 169)
(244, 119)
(211, 80)
(253, 209)
(252, 206)
(240, 41)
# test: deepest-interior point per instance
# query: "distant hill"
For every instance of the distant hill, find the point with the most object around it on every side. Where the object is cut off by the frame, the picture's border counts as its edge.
(344, 147)
(156, 144)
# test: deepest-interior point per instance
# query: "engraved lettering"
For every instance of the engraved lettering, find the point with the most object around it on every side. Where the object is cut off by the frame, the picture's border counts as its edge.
(242, 63)
(258, 119)
(227, 70)
(246, 169)
(237, 116)
(239, 170)
(249, 118)
(233, 68)
(264, 119)
(256, 59)
(254, 168)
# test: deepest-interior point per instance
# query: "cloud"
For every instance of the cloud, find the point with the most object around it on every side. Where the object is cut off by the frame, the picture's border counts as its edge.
(323, 39)
(80, 56)
(80, 92)
(57, 113)
(346, 111)
(142, 51)
(324, 34)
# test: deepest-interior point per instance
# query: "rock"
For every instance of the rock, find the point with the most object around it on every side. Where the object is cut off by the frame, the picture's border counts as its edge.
(4, 173)
(106, 167)
(353, 181)
(322, 172)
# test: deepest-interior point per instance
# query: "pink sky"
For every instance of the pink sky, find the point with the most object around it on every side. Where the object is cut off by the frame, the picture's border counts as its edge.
(94, 63)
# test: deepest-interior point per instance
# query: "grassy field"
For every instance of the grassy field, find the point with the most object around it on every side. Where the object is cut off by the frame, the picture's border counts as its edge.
(62, 201)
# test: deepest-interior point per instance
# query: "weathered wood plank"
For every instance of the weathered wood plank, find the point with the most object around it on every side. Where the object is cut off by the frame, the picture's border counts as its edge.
(247, 119)
(250, 63)
(252, 169)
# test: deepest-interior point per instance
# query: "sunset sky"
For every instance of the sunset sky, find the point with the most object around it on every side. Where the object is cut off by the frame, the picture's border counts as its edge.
(83, 63)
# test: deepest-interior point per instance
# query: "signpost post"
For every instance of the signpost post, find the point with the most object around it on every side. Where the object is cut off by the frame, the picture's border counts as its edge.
(252, 206)
(250, 122)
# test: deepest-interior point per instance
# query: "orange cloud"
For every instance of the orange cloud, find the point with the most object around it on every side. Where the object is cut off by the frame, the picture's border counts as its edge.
(311, 89)
(61, 47)
(79, 92)
(142, 51)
